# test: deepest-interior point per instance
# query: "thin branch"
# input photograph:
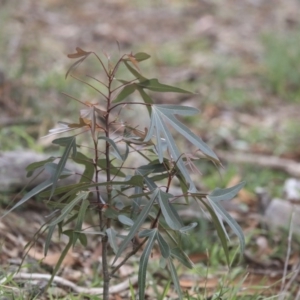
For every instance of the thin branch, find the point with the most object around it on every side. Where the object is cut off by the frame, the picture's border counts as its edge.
(74, 98)
(131, 253)
(124, 103)
(105, 70)
(96, 80)
(89, 86)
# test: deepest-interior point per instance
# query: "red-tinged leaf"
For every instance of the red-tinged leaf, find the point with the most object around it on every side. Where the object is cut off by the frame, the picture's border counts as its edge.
(79, 53)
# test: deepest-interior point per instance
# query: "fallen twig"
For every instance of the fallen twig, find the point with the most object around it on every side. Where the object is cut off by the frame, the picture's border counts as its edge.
(66, 283)
(289, 166)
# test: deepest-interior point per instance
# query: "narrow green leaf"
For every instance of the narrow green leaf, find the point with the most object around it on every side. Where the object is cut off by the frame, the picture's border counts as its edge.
(188, 227)
(137, 224)
(125, 92)
(69, 207)
(113, 170)
(70, 143)
(135, 73)
(51, 168)
(125, 220)
(193, 138)
(80, 218)
(89, 170)
(226, 194)
(175, 278)
(181, 110)
(42, 186)
(113, 144)
(140, 56)
(48, 238)
(230, 221)
(135, 180)
(143, 265)
(167, 212)
(154, 85)
(182, 257)
(112, 238)
(32, 167)
(83, 239)
(147, 99)
(220, 229)
(61, 258)
(163, 246)
(146, 233)
(63, 189)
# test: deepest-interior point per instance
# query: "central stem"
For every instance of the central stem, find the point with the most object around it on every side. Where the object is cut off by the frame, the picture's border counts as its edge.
(105, 271)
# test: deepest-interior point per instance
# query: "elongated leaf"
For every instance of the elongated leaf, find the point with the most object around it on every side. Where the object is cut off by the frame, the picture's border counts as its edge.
(182, 257)
(143, 265)
(226, 194)
(147, 99)
(146, 233)
(80, 53)
(189, 135)
(41, 187)
(151, 168)
(32, 167)
(80, 218)
(63, 189)
(163, 246)
(175, 278)
(112, 238)
(188, 227)
(125, 220)
(48, 238)
(167, 212)
(89, 170)
(230, 221)
(220, 229)
(113, 170)
(171, 109)
(137, 224)
(61, 258)
(140, 56)
(70, 145)
(113, 144)
(126, 91)
(51, 168)
(69, 207)
(158, 123)
(83, 239)
(133, 71)
(154, 85)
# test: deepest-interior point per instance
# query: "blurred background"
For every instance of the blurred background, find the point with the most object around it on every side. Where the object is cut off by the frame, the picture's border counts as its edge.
(240, 57)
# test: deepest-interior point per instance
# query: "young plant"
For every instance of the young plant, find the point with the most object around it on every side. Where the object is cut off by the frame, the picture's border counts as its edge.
(129, 174)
